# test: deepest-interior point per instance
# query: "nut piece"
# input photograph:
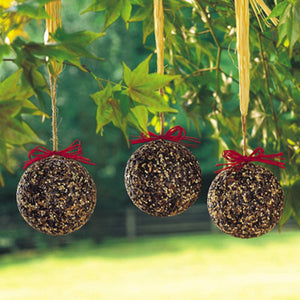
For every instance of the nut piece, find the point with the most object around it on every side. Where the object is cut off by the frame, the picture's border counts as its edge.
(163, 178)
(56, 195)
(245, 203)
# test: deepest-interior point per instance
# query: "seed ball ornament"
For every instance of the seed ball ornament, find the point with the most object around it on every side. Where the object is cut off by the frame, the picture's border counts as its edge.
(246, 200)
(56, 194)
(162, 177)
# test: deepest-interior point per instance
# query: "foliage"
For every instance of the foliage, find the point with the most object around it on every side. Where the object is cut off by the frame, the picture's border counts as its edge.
(202, 75)
(288, 28)
(132, 101)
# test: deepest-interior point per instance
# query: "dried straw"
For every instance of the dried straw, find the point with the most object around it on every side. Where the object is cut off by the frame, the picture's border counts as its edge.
(159, 39)
(243, 51)
(260, 8)
(53, 8)
(242, 27)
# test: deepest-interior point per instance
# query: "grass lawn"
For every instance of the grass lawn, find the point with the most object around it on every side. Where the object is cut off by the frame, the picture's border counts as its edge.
(181, 267)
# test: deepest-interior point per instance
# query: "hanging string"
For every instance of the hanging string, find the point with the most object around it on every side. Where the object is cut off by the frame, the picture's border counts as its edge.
(53, 107)
(243, 50)
(159, 40)
(53, 9)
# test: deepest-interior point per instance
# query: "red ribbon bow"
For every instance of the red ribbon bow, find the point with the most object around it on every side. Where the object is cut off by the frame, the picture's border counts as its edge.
(175, 134)
(74, 151)
(236, 160)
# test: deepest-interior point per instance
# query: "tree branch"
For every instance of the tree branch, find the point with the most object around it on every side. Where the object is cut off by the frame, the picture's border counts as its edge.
(200, 71)
(208, 20)
(266, 74)
(214, 36)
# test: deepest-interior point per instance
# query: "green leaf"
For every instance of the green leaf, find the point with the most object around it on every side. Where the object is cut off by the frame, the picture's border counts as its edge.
(289, 24)
(114, 9)
(80, 38)
(8, 86)
(145, 14)
(31, 9)
(139, 75)
(29, 108)
(104, 115)
(279, 9)
(156, 81)
(143, 87)
(104, 108)
(9, 108)
(126, 12)
(126, 74)
(18, 133)
(295, 34)
(11, 89)
(68, 47)
(4, 50)
(151, 99)
(97, 6)
(292, 196)
(113, 12)
(102, 95)
(287, 212)
(4, 159)
(118, 120)
(124, 101)
(14, 98)
(74, 44)
(139, 117)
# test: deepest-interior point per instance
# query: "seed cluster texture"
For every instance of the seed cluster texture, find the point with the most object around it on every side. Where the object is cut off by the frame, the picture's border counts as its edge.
(246, 202)
(163, 178)
(56, 195)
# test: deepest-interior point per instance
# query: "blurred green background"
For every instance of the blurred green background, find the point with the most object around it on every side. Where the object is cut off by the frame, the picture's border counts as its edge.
(121, 253)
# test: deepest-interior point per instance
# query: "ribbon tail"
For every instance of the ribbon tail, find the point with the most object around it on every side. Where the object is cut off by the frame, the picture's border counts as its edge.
(272, 162)
(85, 161)
(138, 141)
(27, 163)
(230, 165)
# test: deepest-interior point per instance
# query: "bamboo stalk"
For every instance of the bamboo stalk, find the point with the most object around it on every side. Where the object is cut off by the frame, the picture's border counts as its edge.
(53, 9)
(243, 52)
(159, 40)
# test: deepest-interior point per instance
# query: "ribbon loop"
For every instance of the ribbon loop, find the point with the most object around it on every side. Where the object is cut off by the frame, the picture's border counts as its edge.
(74, 151)
(175, 134)
(237, 160)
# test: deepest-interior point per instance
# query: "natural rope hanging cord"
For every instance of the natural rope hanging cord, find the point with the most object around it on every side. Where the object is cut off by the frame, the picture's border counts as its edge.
(54, 10)
(56, 194)
(159, 39)
(242, 28)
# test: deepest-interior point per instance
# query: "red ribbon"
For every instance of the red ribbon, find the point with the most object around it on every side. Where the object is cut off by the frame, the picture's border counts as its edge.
(175, 134)
(74, 151)
(236, 160)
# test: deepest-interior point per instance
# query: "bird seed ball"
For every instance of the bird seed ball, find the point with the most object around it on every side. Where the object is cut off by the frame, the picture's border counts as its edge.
(245, 203)
(56, 195)
(163, 178)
